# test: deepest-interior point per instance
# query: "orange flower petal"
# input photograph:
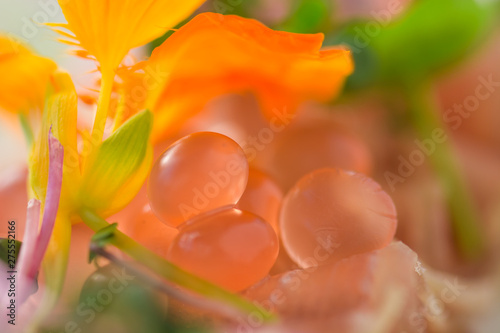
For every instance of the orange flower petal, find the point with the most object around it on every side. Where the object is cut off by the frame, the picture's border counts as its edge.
(215, 54)
(25, 77)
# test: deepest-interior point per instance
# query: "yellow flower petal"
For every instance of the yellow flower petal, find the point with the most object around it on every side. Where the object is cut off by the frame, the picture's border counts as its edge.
(60, 82)
(60, 114)
(108, 29)
(25, 77)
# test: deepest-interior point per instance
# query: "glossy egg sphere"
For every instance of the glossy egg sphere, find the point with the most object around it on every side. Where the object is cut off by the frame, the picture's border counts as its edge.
(331, 214)
(262, 197)
(151, 232)
(229, 247)
(196, 174)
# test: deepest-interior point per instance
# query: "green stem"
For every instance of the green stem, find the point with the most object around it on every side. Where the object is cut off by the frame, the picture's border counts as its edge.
(171, 272)
(426, 120)
(28, 132)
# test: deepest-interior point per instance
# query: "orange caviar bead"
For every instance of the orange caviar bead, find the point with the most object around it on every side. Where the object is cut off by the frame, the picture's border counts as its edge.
(196, 174)
(151, 232)
(331, 214)
(229, 247)
(262, 197)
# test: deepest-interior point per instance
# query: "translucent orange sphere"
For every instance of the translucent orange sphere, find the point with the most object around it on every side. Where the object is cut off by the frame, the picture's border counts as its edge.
(331, 214)
(151, 232)
(301, 151)
(196, 174)
(231, 248)
(262, 197)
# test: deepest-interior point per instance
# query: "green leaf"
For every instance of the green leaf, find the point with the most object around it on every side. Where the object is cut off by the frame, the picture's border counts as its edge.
(115, 162)
(367, 65)
(430, 37)
(309, 17)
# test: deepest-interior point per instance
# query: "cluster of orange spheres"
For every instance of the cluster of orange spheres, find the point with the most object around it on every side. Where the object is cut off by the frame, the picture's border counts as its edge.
(230, 218)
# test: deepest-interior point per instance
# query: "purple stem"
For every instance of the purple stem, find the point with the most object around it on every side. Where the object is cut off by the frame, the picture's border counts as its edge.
(30, 234)
(56, 159)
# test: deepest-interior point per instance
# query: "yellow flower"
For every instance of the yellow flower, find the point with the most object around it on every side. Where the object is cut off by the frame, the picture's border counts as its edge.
(103, 180)
(108, 29)
(25, 77)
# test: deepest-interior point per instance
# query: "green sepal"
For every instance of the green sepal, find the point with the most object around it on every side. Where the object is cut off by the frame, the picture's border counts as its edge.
(115, 163)
(102, 238)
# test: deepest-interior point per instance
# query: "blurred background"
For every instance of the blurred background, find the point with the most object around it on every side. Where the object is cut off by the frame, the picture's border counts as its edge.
(420, 114)
(450, 47)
